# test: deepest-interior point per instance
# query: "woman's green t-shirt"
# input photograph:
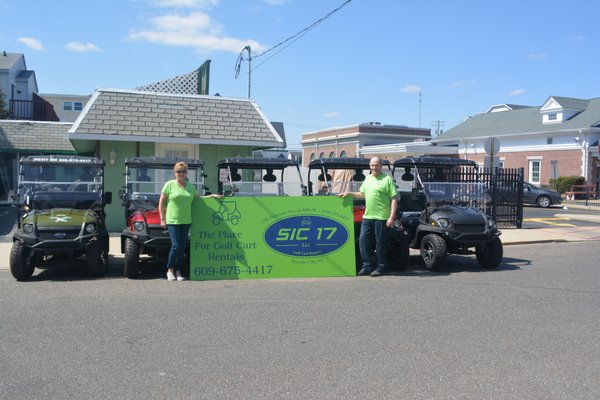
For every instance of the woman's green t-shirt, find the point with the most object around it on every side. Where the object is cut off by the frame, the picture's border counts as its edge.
(179, 204)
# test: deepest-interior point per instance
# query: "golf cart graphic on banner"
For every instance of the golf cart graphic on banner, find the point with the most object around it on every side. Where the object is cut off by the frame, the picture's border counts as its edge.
(227, 212)
(278, 237)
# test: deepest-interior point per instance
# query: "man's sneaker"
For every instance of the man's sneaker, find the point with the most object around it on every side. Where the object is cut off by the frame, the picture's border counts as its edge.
(170, 276)
(364, 271)
(376, 273)
(179, 276)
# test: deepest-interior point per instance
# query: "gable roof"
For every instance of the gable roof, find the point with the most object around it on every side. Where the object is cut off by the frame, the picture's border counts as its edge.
(7, 60)
(523, 121)
(129, 115)
(44, 137)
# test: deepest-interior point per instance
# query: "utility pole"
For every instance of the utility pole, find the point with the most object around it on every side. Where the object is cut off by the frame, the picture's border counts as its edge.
(438, 125)
(249, 68)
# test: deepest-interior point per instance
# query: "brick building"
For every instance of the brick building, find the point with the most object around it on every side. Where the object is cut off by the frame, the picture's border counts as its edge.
(348, 141)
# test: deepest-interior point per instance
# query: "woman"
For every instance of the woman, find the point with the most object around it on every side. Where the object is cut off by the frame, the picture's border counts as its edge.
(175, 207)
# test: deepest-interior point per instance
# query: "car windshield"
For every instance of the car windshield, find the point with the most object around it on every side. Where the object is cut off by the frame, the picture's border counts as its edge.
(339, 180)
(464, 193)
(260, 181)
(145, 183)
(44, 187)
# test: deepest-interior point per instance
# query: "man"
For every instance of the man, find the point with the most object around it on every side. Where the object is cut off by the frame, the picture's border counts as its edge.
(379, 192)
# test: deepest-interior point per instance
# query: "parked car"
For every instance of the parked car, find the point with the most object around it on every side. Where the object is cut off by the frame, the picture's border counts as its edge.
(541, 197)
(143, 234)
(330, 176)
(61, 217)
(439, 203)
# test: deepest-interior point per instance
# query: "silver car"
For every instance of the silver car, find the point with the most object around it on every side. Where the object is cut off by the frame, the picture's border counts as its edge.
(542, 197)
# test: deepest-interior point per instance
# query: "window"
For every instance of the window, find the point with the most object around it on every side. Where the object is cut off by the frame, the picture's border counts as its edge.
(343, 154)
(72, 106)
(313, 156)
(552, 117)
(322, 155)
(534, 171)
(332, 154)
(549, 140)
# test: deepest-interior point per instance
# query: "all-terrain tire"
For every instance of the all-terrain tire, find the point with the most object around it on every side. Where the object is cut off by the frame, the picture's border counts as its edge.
(131, 268)
(21, 265)
(97, 258)
(434, 252)
(489, 255)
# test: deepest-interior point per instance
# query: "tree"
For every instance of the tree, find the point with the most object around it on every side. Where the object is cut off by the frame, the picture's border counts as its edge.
(4, 114)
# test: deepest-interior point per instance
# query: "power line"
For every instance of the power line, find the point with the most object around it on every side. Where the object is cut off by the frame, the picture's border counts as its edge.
(290, 40)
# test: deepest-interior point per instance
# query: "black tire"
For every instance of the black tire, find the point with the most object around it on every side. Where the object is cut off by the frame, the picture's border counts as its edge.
(544, 201)
(434, 252)
(132, 259)
(21, 265)
(97, 258)
(398, 253)
(489, 255)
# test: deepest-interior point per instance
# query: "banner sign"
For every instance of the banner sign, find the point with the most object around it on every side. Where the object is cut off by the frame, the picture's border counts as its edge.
(271, 237)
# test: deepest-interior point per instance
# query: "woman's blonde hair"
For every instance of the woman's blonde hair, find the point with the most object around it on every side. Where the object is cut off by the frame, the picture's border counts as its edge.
(180, 164)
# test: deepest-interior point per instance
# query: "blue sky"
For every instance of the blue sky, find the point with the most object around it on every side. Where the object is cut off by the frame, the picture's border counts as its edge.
(367, 62)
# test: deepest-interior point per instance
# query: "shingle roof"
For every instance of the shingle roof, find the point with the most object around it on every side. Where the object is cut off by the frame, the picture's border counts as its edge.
(524, 121)
(148, 116)
(35, 136)
(8, 60)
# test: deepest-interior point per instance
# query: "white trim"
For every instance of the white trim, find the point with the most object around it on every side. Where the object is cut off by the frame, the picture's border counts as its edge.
(163, 139)
(535, 158)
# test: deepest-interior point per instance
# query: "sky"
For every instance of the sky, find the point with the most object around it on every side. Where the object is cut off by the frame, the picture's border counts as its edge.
(427, 64)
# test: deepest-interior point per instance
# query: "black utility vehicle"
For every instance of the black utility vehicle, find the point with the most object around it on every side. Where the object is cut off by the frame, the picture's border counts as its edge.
(330, 176)
(441, 200)
(261, 176)
(60, 214)
(144, 180)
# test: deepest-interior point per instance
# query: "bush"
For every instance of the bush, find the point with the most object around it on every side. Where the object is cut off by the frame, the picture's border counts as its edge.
(563, 184)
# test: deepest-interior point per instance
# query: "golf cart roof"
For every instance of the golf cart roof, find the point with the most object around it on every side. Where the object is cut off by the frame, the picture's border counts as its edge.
(432, 162)
(161, 162)
(255, 163)
(343, 163)
(62, 160)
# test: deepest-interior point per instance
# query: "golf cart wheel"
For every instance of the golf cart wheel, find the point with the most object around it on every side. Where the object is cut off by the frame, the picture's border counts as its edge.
(21, 265)
(544, 201)
(97, 258)
(433, 252)
(132, 259)
(489, 255)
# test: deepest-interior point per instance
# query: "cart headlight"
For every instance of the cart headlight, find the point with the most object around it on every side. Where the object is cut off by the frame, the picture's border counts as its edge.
(138, 226)
(443, 222)
(89, 228)
(28, 228)
(491, 223)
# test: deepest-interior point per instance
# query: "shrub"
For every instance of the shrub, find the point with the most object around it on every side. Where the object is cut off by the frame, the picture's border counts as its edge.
(563, 183)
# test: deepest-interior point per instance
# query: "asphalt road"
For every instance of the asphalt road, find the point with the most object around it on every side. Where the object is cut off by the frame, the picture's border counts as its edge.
(527, 331)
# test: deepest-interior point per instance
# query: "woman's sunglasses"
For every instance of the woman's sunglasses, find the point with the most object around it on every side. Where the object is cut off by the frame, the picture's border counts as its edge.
(181, 171)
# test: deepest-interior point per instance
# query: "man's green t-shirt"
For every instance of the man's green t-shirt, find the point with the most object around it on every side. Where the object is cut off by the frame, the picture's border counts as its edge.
(378, 191)
(179, 205)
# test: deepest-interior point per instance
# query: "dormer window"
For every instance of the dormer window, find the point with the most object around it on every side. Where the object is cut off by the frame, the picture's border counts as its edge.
(552, 117)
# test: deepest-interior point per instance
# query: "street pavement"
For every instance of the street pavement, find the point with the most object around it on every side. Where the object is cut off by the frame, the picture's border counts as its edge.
(548, 234)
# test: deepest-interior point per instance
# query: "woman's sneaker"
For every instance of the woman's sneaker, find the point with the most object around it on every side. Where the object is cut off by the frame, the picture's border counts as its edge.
(179, 276)
(170, 276)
